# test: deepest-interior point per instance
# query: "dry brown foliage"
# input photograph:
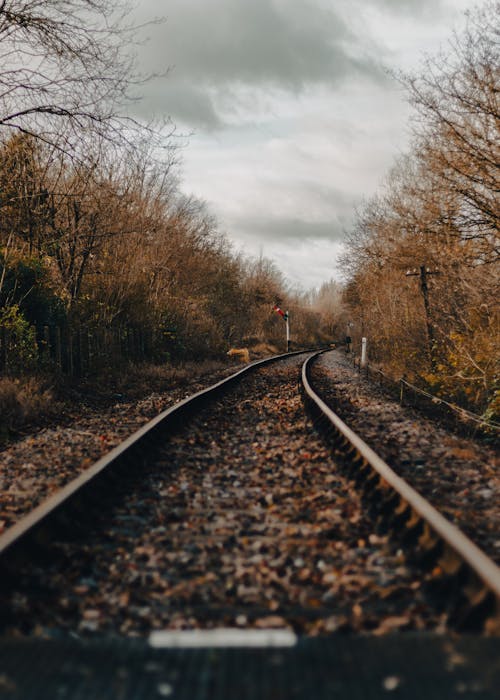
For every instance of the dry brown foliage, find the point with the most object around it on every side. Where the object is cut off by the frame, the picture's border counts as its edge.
(22, 402)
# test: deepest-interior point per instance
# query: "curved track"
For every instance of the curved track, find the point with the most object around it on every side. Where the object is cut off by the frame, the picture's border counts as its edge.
(33, 527)
(465, 574)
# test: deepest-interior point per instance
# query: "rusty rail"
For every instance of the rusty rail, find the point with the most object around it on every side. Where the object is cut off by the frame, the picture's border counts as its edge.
(470, 578)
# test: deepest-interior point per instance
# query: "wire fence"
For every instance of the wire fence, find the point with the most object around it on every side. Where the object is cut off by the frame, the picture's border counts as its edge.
(77, 351)
(409, 394)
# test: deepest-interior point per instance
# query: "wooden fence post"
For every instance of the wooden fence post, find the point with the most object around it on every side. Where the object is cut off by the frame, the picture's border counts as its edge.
(46, 343)
(71, 364)
(58, 348)
(3, 349)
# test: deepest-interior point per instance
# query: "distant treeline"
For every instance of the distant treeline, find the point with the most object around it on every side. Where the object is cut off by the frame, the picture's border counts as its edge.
(113, 252)
(101, 255)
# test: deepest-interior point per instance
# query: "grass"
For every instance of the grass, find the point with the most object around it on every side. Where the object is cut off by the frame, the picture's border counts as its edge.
(23, 402)
(134, 382)
(33, 401)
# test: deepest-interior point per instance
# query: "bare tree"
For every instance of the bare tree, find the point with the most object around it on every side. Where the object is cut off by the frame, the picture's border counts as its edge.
(66, 70)
(456, 97)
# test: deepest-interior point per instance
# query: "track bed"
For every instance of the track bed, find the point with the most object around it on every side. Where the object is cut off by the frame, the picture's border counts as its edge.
(240, 520)
(459, 476)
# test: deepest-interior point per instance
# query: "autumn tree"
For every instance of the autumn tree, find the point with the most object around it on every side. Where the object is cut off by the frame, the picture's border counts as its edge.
(457, 124)
(86, 201)
(328, 302)
(422, 258)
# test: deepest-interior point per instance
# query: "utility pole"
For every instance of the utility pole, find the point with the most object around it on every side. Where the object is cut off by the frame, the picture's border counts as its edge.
(423, 272)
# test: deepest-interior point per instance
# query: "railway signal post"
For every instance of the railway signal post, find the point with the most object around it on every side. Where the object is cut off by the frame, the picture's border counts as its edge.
(286, 317)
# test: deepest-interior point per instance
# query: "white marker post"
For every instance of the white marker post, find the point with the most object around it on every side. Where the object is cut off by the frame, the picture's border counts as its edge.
(363, 352)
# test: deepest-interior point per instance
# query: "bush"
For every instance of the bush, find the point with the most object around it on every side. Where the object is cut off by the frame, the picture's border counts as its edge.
(20, 340)
(22, 401)
(27, 285)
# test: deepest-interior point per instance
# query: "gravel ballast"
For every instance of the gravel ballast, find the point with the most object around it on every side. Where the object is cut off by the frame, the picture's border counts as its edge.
(242, 521)
(459, 476)
(36, 466)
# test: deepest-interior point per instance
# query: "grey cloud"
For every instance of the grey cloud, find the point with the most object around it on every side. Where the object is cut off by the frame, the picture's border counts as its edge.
(258, 41)
(414, 7)
(280, 44)
(336, 207)
(292, 229)
(341, 202)
(180, 100)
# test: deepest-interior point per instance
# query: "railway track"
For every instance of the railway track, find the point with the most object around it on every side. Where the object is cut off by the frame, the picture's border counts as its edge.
(466, 575)
(227, 510)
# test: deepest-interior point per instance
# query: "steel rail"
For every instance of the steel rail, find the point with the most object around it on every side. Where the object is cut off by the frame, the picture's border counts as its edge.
(436, 539)
(32, 526)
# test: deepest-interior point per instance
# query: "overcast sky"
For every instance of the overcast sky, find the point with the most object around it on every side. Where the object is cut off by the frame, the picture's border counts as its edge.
(292, 114)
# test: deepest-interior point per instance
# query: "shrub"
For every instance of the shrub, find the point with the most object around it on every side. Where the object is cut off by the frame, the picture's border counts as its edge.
(22, 401)
(20, 339)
